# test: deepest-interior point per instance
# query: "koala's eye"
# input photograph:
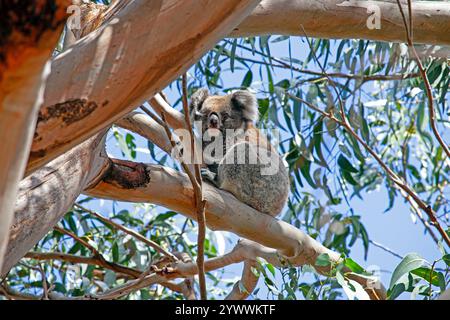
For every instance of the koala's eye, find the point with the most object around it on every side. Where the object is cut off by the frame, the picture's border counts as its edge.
(225, 116)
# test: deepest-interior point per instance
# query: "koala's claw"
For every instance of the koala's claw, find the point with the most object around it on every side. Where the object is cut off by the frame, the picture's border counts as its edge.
(208, 175)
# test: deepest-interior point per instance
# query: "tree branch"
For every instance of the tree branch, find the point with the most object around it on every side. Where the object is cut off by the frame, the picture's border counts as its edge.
(93, 260)
(244, 287)
(347, 20)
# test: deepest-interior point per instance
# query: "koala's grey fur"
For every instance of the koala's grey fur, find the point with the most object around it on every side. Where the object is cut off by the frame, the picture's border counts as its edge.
(239, 110)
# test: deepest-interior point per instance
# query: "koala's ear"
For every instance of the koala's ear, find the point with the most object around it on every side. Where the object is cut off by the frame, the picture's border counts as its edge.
(246, 102)
(197, 100)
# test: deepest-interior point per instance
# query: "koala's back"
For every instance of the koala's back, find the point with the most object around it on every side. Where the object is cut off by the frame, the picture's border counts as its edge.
(261, 184)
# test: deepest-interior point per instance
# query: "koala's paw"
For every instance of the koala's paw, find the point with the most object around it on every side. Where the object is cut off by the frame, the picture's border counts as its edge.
(208, 175)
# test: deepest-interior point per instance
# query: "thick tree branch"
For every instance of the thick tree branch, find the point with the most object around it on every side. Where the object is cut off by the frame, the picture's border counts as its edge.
(340, 19)
(146, 127)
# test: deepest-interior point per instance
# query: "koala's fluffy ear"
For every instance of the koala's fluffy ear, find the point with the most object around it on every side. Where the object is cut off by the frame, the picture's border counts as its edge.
(197, 100)
(246, 102)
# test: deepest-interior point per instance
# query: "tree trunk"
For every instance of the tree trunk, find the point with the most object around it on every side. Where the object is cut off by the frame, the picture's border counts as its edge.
(28, 35)
(46, 196)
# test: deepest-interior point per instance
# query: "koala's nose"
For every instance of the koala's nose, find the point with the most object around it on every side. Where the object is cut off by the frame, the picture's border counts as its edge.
(213, 120)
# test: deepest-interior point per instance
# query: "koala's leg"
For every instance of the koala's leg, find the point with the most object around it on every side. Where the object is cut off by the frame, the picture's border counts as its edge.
(243, 173)
(209, 174)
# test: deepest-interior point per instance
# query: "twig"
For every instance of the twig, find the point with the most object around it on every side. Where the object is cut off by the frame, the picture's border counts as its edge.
(96, 254)
(133, 233)
(44, 283)
(134, 273)
(152, 115)
(199, 202)
(423, 73)
(200, 217)
(79, 240)
(407, 197)
(382, 247)
(182, 287)
(363, 78)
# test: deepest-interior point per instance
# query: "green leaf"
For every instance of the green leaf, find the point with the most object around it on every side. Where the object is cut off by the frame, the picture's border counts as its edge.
(349, 178)
(323, 260)
(365, 238)
(271, 268)
(446, 259)
(115, 252)
(410, 262)
(425, 273)
(345, 164)
(341, 280)
(279, 38)
(165, 216)
(352, 265)
(397, 290)
(248, 78)
(304, 169)
(233, 55)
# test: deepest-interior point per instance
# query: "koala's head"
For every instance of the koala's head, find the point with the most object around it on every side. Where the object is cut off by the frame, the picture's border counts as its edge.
(232, 111)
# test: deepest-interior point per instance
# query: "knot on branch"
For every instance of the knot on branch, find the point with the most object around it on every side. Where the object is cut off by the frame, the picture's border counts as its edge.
(127, 174)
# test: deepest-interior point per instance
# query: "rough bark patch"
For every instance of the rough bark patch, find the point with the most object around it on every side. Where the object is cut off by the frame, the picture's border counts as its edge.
(127, 174)
(69, 111)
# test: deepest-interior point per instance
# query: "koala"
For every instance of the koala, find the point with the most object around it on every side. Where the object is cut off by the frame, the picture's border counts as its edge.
(236, 156)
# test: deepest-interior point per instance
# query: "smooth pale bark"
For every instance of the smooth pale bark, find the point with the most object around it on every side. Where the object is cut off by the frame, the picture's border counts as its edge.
(23, 70)
(115, 68)
(46, 196)
(339, 19)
